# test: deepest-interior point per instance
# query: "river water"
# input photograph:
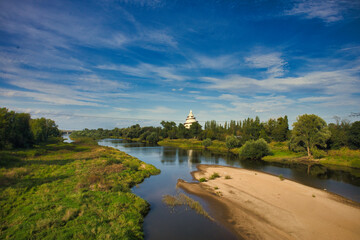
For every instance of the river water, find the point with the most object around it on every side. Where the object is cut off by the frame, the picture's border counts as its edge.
(163, 222)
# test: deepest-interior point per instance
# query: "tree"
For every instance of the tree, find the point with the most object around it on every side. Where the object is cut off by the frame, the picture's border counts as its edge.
(207, 142)
(281, 131)
(182, 132)
(354, 136)
(232, 142)
(43, 128)
(195, 129)
(153, 138)
(5, 126)
(340, 132)
(21, 135)
(255, 150)
(169, 129)
(310, 131)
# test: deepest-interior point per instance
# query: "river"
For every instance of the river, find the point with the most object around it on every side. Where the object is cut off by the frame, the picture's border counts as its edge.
(163, 222)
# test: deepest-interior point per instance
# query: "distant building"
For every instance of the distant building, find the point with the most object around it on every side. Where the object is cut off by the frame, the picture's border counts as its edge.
(190, 120)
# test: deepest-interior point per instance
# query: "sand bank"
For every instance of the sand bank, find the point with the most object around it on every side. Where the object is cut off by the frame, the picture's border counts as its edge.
(257, 205)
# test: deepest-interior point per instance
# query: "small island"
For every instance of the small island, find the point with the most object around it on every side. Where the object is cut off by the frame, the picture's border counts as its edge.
(258, 205)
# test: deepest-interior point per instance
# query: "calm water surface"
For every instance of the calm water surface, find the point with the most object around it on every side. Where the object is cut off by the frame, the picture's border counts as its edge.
(175, 163)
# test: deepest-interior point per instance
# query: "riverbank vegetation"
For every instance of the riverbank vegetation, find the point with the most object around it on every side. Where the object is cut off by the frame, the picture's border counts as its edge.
(57, 190)
(311, 139)
(182, 199)
(78, 190)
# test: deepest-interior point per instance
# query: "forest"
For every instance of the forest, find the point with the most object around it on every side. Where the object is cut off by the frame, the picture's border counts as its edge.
(19, 130)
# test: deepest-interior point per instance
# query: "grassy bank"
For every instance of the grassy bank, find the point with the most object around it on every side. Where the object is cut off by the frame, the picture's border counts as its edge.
(280, 152)
(79, 190)
(342, 157)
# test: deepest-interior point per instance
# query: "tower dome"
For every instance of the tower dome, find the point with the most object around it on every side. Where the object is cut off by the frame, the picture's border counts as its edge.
(190, 120)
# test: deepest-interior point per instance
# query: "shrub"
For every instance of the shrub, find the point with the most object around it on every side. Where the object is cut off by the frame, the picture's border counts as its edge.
(214, 175)
(281, 177)
(207, 142)
(202, 179)
(227, 177)
(255, 150)
(232, 142)
(317, 153)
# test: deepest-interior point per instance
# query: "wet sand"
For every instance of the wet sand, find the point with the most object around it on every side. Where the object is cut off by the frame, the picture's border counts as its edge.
(258, 205)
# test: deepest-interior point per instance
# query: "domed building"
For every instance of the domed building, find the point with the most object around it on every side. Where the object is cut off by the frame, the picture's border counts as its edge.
(190, 120)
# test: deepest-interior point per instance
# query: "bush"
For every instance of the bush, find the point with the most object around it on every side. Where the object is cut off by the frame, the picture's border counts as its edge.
(152, 138)
(207, 142)
(202, 179)
(232, 142)
(255, 150)
(281, 177)
(214, 175)
(317, 153)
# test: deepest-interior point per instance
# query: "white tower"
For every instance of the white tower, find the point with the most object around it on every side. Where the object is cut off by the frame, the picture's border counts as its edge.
(190, 120)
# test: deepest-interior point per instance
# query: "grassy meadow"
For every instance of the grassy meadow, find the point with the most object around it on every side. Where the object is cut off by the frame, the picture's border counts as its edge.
(71, 191)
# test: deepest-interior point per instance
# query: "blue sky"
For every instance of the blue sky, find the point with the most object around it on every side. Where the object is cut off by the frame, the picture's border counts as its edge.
(104, 63)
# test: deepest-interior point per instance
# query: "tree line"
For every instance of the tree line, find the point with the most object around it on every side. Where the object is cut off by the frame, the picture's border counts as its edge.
(248, 129)
(19, 130)
(310, 132)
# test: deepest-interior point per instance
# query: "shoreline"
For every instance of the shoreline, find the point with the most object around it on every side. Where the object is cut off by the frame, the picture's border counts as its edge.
(219, 148)
(256, 205)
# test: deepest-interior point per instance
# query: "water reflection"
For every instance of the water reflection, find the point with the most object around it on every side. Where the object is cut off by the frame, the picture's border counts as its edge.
(66, 138)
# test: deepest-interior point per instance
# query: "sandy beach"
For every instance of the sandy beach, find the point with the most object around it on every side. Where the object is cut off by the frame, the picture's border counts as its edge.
(257, 205)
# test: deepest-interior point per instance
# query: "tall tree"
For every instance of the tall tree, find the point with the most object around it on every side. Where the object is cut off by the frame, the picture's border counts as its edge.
(354, 136)
(340, 132)
(195, 129)
(310, 131)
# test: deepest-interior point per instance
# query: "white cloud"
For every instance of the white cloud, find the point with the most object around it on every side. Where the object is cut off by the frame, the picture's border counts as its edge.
(326, 10)
(218, 62)
(120, 109)
(271, 61)
(327, 82)
(48, 98)
(229, 97)
(161, 110)
(146, 70)
(94, 83)
(40, 25)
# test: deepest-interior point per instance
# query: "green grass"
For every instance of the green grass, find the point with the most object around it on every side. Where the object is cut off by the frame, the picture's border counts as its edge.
(78, 191)
(182, 199)
(281, 152)
(342, 157)
(182, 143)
